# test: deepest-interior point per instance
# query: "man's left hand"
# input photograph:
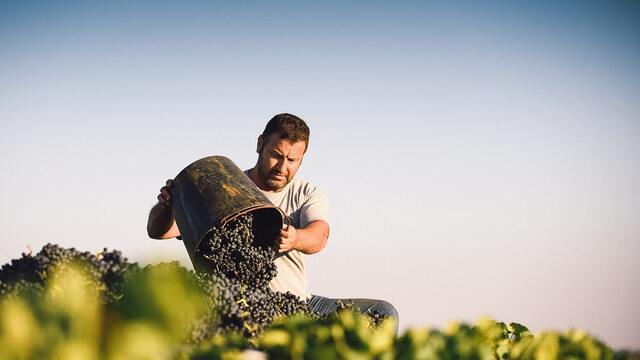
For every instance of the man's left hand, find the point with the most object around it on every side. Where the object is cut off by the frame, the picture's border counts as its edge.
(288, 239)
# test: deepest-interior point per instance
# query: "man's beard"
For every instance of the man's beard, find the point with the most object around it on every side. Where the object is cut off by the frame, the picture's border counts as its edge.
(273, 184)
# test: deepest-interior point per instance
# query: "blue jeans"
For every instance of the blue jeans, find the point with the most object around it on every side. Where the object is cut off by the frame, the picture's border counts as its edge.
(324, 306)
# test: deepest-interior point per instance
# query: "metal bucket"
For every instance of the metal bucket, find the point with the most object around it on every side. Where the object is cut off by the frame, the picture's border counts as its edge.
(213, 191)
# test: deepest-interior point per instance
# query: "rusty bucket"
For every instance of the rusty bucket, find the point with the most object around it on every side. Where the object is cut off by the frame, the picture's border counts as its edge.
(213, 191)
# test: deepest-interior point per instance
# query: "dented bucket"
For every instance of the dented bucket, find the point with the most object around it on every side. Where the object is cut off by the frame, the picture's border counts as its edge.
(213, 191)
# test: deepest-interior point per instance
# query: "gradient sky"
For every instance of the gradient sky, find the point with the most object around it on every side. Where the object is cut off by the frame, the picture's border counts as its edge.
(480, 158)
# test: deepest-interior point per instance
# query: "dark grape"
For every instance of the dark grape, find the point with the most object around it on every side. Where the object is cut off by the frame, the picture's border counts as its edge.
(232, 251)
(375, 317)
(236, 270)
(30, 273)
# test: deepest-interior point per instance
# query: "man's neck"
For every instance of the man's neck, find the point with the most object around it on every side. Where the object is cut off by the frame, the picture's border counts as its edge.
(253, 175)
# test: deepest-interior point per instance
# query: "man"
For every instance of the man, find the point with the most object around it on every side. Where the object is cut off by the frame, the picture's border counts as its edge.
(281, 148)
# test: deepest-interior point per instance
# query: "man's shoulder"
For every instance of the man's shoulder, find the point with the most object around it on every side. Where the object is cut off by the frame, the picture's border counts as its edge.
(303, 187)
(313, 202)
(297, 182)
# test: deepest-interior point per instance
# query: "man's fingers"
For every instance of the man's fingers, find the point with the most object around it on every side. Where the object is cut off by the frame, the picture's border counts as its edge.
(165, 195)
(165, 192)
(164, 198)
(282, 244)
(163, 201)
(286, 240)
(277, 243)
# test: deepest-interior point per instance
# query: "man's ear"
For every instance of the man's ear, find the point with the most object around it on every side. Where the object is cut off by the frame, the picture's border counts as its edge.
(260, 143)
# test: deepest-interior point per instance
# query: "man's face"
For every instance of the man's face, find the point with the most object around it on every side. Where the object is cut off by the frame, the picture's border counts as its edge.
(278, 161)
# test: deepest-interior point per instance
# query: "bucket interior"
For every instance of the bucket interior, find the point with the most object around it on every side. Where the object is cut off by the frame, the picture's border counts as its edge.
(267, 223)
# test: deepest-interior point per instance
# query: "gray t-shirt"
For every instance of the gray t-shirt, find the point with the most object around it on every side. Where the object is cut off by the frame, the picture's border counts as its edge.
(304, 203)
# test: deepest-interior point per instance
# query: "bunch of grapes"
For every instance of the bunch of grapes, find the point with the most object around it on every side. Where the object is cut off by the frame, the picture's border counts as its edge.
(232, 251)
(235, 271)
(235, 307)
(30, 273)
(375, 318)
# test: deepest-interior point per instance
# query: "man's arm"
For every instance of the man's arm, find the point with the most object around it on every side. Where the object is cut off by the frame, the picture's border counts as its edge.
(309, 240)
(161, 224)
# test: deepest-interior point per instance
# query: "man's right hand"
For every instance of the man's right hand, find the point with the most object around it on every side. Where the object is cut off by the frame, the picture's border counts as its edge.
(164, 198)
(161, 224)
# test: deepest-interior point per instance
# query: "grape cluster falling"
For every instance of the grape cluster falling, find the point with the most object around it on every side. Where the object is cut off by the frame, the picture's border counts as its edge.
(236, 271)
(232, 251)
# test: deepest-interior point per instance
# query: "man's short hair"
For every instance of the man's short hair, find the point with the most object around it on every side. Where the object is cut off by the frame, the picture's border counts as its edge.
(288, 127)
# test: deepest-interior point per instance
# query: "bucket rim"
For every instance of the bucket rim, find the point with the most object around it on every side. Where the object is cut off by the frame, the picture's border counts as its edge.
(249, 209)
(224, 221)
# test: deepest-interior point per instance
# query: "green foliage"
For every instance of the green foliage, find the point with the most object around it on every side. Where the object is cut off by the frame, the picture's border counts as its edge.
(63, 324)
(345, 335)
(571, 345)
(165, 296)
(159, 306)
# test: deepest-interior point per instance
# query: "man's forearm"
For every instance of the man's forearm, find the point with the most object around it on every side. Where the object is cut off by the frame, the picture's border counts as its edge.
(313, 238)
(160, 222)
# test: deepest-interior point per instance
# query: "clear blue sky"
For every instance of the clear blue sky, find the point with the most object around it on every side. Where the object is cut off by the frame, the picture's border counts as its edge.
(481, 158)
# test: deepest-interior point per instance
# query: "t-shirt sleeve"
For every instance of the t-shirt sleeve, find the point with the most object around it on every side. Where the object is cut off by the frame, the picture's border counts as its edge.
(316, 207)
